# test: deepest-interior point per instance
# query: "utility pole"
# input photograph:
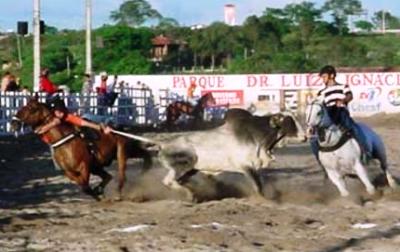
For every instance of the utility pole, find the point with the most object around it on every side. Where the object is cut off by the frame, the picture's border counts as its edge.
(19, 51)
(89, 37)
(383, 21)
(36, 44)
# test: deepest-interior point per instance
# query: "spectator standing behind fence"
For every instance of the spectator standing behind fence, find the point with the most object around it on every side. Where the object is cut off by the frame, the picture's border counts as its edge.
(106, 95)
(87, 86)
(112, 87)
(25, 90)
(190, 93)
(121, 86)
(46, 85)
(5, 80)
(12, 84)
(102, 89)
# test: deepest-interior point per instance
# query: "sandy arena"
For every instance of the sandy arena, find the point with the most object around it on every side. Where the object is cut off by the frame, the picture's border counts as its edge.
(41, 210)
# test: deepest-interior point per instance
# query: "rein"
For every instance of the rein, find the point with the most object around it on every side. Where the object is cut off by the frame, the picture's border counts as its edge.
(309, 114)
(45, 120)
(321, 133)
(343, 139)
(63, 140)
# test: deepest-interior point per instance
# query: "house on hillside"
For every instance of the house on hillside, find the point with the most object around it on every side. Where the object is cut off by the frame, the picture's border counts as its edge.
(163, 46)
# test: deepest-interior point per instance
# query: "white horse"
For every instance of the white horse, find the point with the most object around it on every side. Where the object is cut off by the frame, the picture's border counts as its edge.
(339, 153)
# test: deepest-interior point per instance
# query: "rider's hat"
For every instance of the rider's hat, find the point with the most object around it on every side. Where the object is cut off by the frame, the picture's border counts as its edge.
(56, 103)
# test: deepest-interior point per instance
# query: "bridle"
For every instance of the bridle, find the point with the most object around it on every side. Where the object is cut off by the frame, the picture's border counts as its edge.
(313, 103)
(45, 120)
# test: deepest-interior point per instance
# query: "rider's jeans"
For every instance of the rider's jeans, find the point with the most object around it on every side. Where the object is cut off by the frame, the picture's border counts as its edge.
(341, 116)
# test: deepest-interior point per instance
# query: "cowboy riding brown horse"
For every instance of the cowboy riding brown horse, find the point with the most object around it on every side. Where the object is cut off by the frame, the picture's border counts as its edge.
(71, 152)
(177, 108)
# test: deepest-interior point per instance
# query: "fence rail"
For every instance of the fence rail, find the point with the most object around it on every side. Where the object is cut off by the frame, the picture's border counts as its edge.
(133, 106)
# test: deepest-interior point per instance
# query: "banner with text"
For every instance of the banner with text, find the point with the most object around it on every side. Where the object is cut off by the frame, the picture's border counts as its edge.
(373, 92)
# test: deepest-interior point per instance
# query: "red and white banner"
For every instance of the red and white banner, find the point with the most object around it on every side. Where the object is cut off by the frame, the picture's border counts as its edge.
(226, 97)
(373, 92)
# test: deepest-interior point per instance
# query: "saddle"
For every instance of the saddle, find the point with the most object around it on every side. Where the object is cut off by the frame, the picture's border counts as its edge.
(90, 136)
(346, 132)
(347, 135)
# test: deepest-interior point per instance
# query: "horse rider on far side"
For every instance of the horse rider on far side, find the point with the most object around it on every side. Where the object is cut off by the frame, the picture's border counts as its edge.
(61, 114)
(190, 93)
(336, 97)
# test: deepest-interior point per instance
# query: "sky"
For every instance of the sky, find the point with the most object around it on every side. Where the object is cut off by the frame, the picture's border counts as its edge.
(70, 13)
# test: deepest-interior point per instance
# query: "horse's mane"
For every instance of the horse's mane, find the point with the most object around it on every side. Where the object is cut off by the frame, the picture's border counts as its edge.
(43, 107)
(326, 120)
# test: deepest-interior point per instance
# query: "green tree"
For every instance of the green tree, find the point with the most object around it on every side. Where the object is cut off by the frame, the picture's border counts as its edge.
(304, 17)
(219, 41)
(50, 29)
(132, 63)
(167, 23)
(120, 42)
(364, 25)
(197, 46)
(391, 22)
(250, 34)
(134, 13)
(341, 9)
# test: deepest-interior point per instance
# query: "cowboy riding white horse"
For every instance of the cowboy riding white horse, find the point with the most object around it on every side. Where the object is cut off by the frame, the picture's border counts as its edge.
(339, 153)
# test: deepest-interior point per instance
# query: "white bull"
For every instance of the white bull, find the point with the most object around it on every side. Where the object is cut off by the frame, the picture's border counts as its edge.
(242, 145)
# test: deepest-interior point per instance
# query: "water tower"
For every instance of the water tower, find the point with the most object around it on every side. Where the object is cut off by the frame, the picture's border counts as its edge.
(230, 14)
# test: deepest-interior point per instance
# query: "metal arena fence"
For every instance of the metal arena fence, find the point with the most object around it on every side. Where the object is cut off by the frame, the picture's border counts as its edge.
(133, 106)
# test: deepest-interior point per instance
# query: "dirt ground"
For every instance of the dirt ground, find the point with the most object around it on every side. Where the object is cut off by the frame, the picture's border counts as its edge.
(40, 210)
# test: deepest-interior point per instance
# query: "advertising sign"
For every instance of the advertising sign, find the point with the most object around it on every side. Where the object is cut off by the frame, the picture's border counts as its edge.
(224, 97)
(394, 97)
(373, 92)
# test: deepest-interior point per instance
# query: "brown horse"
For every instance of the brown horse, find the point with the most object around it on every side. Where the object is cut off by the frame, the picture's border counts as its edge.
(72, 153)
(177, 108)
